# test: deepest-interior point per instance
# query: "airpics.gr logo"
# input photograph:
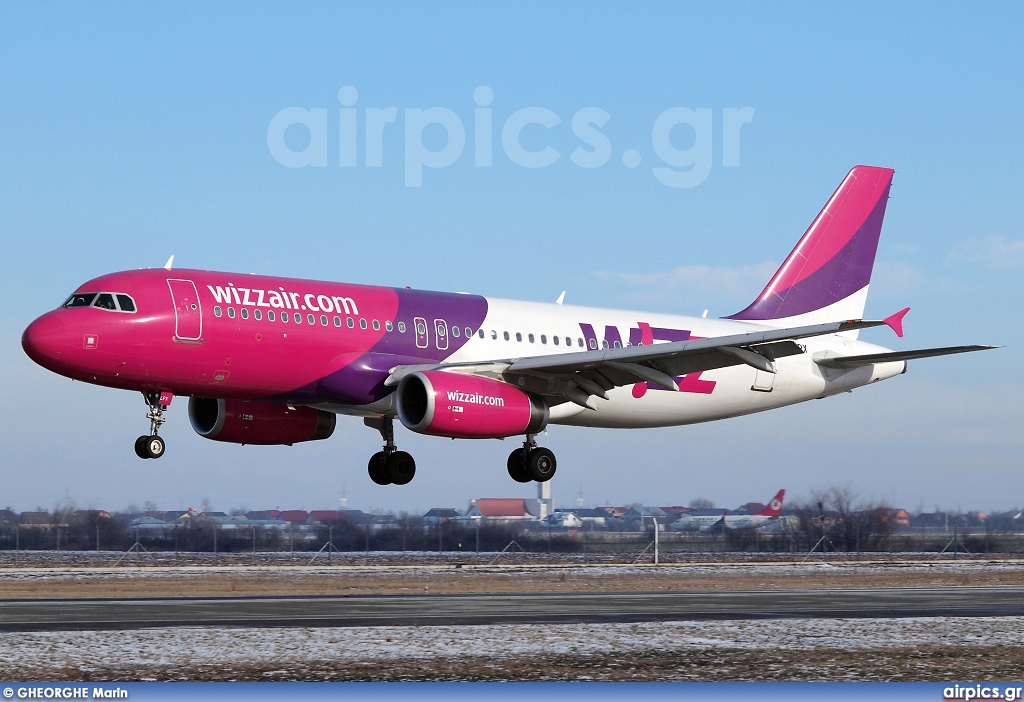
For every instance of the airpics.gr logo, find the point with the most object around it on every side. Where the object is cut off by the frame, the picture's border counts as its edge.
(678, 168)
(982, 692)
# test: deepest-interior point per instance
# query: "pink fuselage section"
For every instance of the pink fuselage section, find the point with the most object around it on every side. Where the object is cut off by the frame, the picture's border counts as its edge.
(210, 334)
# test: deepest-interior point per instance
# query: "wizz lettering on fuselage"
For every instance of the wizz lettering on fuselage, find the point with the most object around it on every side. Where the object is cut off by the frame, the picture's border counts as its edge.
(644, 334)
(282, 299)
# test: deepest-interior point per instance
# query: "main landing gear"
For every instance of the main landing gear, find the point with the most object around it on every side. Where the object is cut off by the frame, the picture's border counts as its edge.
(531, 462)
(390, 466)
(152, 446)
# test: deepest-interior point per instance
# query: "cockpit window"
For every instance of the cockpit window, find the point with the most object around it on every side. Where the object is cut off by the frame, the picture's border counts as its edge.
(105, 301)
(127, 304)
(80, 300)
(115, 302)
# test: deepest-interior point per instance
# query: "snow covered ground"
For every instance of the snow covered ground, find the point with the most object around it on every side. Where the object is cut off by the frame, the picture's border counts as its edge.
(749, 649)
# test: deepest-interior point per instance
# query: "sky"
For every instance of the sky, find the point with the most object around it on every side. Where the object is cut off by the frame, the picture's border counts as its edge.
(662, 157)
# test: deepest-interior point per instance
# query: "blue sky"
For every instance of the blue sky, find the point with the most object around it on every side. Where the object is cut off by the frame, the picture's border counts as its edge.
(133, 132)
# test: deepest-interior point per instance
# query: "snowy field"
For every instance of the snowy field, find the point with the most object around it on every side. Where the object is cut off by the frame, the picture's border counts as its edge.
(939, 648)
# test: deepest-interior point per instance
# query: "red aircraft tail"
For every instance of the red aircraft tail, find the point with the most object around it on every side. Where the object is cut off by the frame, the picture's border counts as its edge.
(774, 508)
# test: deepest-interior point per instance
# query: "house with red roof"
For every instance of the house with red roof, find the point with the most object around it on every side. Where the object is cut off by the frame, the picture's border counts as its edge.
(500, 509)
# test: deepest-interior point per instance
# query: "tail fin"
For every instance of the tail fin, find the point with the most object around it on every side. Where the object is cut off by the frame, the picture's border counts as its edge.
(774, 507)
(825, 278)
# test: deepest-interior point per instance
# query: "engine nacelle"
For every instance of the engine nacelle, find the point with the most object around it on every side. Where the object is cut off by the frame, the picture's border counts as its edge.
(467, 406)
(263, 423)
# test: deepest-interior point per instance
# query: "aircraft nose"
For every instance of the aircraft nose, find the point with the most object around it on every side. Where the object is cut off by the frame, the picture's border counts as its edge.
(45, 340)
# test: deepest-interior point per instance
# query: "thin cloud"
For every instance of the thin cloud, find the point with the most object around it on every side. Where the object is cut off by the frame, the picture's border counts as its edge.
(995, 252)
(721, 282)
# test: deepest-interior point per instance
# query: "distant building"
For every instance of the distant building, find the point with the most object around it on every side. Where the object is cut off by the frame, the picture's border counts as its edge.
(639, 518)
(295, 516)
(562, 519)
(437, 515)
(500, 509)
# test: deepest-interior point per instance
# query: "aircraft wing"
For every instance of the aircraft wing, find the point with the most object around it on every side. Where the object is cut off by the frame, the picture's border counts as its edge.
(576, 376)
(845, 362)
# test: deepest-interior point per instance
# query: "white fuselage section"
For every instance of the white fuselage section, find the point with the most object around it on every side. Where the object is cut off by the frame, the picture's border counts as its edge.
(515, 329)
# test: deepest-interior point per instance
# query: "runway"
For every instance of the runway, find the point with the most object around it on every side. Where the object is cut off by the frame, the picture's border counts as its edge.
(427, 610)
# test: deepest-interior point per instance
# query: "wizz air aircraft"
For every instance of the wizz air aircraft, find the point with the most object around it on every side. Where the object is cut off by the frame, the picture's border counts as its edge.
(708, 519)
(268, 360)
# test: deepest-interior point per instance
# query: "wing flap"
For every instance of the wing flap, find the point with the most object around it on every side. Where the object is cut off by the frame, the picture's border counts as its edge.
(846, 362)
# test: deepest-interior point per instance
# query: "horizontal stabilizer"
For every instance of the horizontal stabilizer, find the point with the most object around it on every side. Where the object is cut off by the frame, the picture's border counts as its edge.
(868, 359)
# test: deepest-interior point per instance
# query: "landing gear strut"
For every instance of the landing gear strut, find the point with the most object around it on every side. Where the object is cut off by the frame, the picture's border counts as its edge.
(390, 466)
(531, 462)
(152, 446)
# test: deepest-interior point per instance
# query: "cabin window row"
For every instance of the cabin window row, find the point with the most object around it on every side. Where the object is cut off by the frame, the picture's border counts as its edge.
(312, 319)
(556, 340)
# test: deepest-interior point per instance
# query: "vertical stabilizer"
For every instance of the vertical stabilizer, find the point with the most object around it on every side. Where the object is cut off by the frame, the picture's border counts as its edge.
(825, 278)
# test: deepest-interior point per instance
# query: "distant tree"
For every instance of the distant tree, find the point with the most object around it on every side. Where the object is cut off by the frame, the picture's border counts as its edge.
(701, 503)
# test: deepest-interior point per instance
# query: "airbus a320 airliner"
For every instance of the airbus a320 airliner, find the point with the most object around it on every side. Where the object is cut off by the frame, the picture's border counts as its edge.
(273, 360)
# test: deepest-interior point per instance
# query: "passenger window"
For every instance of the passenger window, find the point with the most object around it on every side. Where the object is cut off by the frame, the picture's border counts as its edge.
(455, 331)
(323, 320)
(568, 341)
(604, 344)
(469, 332)
(297, 317)
(555, 340)
(519, 337)
(376, 325)
(231, 312)
(80, 300)
(362, 324)
(390, 327)
(494, 335)
(337, 321)
(481, 333)
(506, 336)
(543, 338)
(616, 344)
(126, 303)
(593, 344)
(401, 327)
(310, 319)
(217, 311)
(350, 323)
(530, 337)
(245, 313)
(105, 301)
(270, 315)
(284, 317)
(257, 314)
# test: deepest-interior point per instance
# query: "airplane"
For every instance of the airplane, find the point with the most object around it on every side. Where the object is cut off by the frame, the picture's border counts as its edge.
(267, 360)
(708, 519)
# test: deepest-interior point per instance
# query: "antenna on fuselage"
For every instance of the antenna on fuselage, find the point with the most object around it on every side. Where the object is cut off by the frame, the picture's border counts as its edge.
(170, 262)
(561, 298)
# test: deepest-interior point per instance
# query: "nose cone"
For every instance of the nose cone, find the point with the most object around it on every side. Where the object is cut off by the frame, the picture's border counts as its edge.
(45, 340)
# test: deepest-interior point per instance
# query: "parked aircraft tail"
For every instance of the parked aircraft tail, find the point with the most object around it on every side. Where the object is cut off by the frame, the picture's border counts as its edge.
(825, 278)
(774, 508)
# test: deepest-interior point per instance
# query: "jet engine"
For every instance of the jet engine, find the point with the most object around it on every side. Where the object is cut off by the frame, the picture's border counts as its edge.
(264, 423)
(467, 406)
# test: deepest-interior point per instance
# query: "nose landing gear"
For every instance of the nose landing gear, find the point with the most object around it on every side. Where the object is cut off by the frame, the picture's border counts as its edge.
(390, 466)
(152, 446)
(532, 462)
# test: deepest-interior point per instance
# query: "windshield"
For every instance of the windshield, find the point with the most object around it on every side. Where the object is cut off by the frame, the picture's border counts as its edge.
(115, 302)
(80, 300)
